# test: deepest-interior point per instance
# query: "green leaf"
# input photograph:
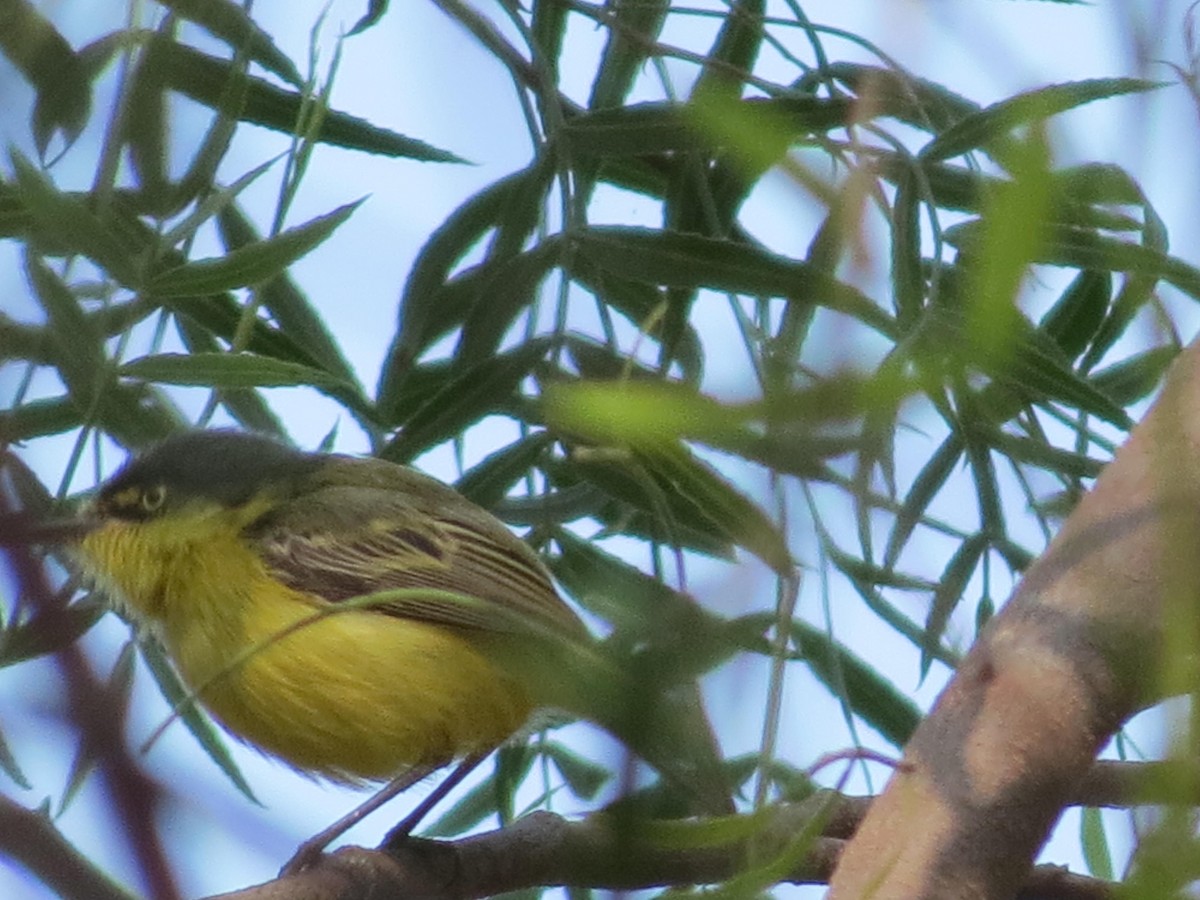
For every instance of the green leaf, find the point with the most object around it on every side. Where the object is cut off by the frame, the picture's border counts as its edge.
(489, 481)
(507, 287)
(640, 414)
(1092, 838)
(426, 312)
(637, 504)
(872, 697)
(58, 76)
(39, 418)
(46, 633)
(72, 225)
(897, 94)
(908, 278)
(250, 265)
(204, 78)
(636, 26)
(292, 311)
(1076, 316)
(375, 11)
(928, 484)
(643, 611)
(232, 24)
(89, 755)
(462, 401)
(687, 260)
(246, 405)
(10, 766)
(734, 51)
(478, 803)
(1041, 454)
(949, 592)
(714, 498)
(1136, 377)
(584, 778)
(653, 127)
(203, 730)
(227, 370)
(999, 119)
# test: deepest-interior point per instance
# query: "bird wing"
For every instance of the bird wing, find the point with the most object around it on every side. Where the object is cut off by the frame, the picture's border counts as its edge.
(339, 541)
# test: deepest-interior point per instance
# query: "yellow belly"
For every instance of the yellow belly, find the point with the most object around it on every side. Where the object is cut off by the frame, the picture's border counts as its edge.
(355, 696)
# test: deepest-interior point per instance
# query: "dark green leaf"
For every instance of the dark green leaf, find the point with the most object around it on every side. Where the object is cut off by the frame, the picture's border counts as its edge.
(896, 94)
(465, 399)
(426, 312)
(204, 79)
(478, 803)
(38, 418)
(949, 592)
(74, 227)
(490, 480)
(1039, 453)
(636, 25)
(734, 51)
(203, 730)
(58, 76)
(507, 287)
(1076, 316)
(871, 696)
(90, 752)
(713, 497)
(661, 127)
(583, 777)
(10, 767)
(250, 265)
(287, 304)
(927, 485)
(688, 260)
(1133, 379)
(48, 632)
(247, 406)
(232, 24)
(375, 11)
(999, 119)
(227, 370)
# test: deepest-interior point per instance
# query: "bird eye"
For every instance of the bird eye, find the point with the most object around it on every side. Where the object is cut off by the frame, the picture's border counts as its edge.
(152, 498)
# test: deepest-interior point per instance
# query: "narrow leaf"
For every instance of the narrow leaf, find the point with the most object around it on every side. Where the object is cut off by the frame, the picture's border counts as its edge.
(249, 265)
(1001, 118)
(232, 24)
(226, 370)
(204, 79)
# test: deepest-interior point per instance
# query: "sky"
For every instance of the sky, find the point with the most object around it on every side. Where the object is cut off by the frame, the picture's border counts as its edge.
(420, 74)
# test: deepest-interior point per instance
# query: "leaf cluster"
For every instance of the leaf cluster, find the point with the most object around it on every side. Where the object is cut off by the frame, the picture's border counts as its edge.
(1008, 290)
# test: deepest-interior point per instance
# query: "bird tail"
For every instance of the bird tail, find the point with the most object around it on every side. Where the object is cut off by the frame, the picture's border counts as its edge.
(662, 722)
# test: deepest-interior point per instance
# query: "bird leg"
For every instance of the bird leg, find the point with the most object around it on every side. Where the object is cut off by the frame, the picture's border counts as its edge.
(311, 850)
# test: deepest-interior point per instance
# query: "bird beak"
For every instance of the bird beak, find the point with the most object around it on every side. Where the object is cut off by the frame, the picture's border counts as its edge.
(23, 529)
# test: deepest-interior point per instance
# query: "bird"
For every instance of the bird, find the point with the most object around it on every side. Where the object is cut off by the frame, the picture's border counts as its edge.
(357, 619)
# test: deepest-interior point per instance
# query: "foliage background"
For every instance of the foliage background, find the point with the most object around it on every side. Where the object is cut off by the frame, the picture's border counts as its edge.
(1052, 399)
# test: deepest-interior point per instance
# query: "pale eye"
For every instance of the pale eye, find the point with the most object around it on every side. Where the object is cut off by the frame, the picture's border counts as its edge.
(152, 498)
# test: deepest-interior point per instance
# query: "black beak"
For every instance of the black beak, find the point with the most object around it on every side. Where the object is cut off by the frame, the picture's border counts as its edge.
(23, 529)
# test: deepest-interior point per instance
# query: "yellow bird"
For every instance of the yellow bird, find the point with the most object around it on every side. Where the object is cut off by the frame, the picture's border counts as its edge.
(245, 558)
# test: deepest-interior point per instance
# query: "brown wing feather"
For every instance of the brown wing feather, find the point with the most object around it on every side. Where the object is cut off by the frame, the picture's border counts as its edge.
(393, 529)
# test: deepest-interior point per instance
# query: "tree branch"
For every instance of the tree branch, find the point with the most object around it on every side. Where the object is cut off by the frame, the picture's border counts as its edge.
(1076, 651)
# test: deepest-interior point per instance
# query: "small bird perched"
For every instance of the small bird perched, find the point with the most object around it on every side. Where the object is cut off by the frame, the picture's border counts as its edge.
(353, 617)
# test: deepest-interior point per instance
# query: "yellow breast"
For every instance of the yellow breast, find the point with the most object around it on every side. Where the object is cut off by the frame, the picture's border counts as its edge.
(354, 696)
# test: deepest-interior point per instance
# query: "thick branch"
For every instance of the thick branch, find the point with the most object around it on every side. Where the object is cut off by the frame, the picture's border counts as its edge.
(543, 849)
(1073, 655)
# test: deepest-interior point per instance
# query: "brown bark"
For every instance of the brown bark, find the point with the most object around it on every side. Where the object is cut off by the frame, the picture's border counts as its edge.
(1075, 652)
